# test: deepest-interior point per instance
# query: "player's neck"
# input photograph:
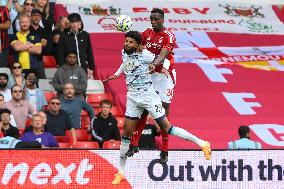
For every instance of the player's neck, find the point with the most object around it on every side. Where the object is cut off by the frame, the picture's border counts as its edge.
(157, 30)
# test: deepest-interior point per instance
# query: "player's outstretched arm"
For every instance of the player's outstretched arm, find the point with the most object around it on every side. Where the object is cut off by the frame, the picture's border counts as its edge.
(110, 78)
(117, 73)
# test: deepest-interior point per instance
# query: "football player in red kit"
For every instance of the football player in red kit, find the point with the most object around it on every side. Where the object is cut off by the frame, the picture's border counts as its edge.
(160, 41)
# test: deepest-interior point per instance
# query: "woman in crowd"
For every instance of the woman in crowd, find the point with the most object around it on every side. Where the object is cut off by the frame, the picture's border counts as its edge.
(47, 13)
(27, 9)
(62, 25)
(16, 76)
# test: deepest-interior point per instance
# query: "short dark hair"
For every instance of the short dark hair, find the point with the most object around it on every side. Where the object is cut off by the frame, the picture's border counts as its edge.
(106, 101)
(15, 86)
(156, 10)
(5, 110)
(71, 51)
(134, 35)
(54, 98)
(29, 72)
(4, 75)
(74, 17)
(243, 131)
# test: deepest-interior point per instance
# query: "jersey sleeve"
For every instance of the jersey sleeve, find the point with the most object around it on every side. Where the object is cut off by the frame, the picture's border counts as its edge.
(148, 57)
(144, 35)
(169, 41)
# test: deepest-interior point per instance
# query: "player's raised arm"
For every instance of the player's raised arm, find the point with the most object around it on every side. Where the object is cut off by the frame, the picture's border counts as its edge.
(117, 73)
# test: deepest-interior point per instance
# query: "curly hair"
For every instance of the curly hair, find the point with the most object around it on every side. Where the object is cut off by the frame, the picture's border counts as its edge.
(134, 35)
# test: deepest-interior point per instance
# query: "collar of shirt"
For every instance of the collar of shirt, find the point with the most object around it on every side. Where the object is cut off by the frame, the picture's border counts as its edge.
(15, 104)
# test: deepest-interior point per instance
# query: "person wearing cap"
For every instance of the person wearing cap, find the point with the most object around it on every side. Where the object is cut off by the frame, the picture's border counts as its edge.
(36, 17)
(70, 72)
(79, 40)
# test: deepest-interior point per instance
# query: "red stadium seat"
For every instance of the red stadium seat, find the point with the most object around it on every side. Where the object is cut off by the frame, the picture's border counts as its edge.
(85, 119)
(49, 95)
(95, 99)
(49, 62)
(85, 122)
(64, 145)
(93, 145)
(120, 121)
(116, 111)
(111, 144)
(21, 131)
(83, 135)
(62, 139)
(28, 122)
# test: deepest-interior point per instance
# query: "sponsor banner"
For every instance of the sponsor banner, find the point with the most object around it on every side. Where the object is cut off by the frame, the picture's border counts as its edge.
(221, 16)
(201, 47)
(185, 169)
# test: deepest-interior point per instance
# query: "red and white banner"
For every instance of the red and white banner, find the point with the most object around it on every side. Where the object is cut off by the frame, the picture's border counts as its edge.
(252, 51)
(96, 169)
(218, 16)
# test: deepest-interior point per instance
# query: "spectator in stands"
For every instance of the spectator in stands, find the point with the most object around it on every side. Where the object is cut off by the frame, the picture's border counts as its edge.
(47, 13)
(27, 9)
(148, 135)
(73, 105)
(38, 134)
(33, 95)
(77, 39)
(244, 142)
(11, 5)
(6, 128)
(16, 76)
(5, 23)
(104, 126)
(4, 90)
(26, 46)
(12, 119)
(44, 34)
(29, 128)
(58, 120)
(62, 25)
(70, 72)
(19, 108)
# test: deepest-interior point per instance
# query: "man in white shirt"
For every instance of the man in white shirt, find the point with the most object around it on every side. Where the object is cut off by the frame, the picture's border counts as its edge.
(3, 87)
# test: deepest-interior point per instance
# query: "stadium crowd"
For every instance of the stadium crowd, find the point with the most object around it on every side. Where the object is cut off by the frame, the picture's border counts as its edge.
(64, 114)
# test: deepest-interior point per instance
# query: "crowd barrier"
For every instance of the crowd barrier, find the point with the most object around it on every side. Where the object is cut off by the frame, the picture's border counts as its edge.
(185, 169)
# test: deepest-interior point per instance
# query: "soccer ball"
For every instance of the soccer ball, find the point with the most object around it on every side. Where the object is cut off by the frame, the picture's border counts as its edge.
(123, 23)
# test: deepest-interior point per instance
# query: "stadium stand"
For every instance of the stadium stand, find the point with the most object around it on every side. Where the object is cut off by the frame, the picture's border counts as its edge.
(63, 145)
(95, 99)
(85, 144)
(111, 144)
(95, 87)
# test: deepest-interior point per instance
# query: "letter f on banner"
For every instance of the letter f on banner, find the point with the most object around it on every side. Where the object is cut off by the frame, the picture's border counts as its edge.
(236, 100)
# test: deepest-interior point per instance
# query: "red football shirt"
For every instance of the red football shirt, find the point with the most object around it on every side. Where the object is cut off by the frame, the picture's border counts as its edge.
(155, 42)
